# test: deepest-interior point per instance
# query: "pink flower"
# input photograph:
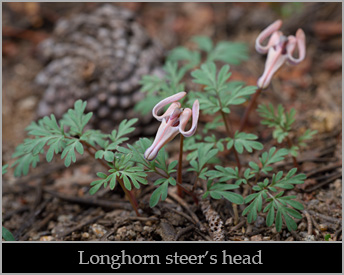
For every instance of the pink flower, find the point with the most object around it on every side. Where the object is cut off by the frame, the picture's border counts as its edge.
(173, 121)
(280, 49)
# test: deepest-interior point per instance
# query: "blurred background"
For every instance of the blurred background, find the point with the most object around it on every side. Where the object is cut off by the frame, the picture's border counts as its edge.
(27, 25)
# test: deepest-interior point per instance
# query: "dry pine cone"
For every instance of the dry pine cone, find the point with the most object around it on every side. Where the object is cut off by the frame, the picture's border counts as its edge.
(98, 57)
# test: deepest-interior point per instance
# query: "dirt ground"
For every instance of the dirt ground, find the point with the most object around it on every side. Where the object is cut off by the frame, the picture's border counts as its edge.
(52, 203)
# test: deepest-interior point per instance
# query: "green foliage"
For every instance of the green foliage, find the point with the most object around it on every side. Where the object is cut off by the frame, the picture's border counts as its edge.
(217, 95)
(4, 169)
(162, 191)
(278, 207)
(282, 122)
(7, 235)
(157, 88)
(267, 159)
(278, 119)
(48, 132)
(204, 155)
(67, 137)
(243, 140)
(76, 119)
(220, 190)
(69, 151)
(24, 160)
(327, 237)
(228, 52)
(124, 168)
(117, 137)
(224, 174)
(307, 135)
(220, 94)
(158, 165)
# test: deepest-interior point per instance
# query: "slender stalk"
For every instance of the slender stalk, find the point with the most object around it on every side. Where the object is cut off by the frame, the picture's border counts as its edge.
(187, 191)
(236, 213)
(249, 109)
(230, 134)
(192, 194)
(130, 196)
(180, 167)
(195, 184)
(128, 193)
(290, 144)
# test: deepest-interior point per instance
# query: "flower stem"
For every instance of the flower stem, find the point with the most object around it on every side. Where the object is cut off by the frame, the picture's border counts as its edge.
(249, 109)
(130, 196)
(230, 134)
(180, 162)
(290, 144)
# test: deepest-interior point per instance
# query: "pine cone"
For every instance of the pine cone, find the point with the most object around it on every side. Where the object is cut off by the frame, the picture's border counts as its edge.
(99, 57)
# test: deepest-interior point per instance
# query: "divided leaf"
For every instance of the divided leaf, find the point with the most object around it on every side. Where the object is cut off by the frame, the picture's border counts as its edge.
(220, 190)
(243, 140)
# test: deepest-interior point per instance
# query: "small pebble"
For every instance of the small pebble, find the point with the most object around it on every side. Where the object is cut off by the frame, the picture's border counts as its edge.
(98, 230)
(46, 238)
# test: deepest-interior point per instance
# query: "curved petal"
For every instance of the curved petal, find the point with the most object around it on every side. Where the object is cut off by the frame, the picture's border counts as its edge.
(300, 41)
(184, 118)
(165, 134)
(273, 62)
(166, 101)
(272, 28)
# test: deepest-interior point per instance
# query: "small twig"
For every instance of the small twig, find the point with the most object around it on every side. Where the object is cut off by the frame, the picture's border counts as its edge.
(39, 225)
(336, 234)
(309, 222)
(143, 219)
(91, 201)
(81, 225)
(239, 225)
(331, 178)
(184, 204)
(30, 220)
(326, 218)
(323, 169)
(183, 231)
(186, 216)
(16, 211)
(314, 222)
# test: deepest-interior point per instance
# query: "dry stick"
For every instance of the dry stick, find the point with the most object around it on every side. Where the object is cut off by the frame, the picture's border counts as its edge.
(180, 161)
(79, 226)
(128, 193)
(331, 178)
(185, 206)
(309, 222)
(249, 109)
(186, 216)
(324, 169)
(325, 217)
(90, 201)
